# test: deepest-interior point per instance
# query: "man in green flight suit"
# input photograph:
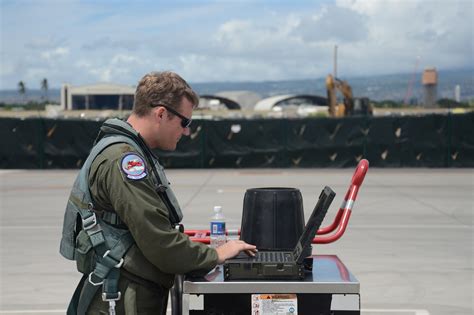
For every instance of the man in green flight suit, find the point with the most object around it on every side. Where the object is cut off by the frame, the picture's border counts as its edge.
(129, 191)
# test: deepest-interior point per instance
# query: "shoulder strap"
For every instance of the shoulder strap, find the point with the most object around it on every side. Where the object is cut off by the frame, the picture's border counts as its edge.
(109, 246)
(96, 150)
(114, 131)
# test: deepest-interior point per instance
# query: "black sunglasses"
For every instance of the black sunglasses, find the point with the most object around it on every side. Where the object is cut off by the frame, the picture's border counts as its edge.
(185, 122)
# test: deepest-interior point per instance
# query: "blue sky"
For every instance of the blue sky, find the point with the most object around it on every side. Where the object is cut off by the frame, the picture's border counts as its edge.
(85, 42)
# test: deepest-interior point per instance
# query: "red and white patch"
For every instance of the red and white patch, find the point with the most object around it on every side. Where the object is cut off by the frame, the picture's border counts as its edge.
(133, 166)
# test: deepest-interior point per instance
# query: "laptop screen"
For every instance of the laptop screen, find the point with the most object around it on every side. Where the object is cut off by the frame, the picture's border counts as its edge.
(314, 222)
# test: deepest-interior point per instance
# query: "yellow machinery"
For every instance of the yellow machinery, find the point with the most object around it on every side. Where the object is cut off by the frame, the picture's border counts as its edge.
(350, 106)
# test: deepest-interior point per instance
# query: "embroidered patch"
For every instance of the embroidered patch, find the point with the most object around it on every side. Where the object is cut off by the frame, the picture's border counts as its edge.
(133, 166)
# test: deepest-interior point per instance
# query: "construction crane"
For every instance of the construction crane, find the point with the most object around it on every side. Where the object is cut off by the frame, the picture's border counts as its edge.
(411, 83)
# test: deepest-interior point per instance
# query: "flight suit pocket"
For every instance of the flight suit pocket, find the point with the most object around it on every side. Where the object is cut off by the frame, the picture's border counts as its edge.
(84, 253)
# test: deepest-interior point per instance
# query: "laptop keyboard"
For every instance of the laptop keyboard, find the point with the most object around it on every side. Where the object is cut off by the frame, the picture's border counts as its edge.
(279, 257)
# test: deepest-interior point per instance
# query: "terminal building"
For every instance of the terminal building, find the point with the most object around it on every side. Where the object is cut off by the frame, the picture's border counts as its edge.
(97, 97)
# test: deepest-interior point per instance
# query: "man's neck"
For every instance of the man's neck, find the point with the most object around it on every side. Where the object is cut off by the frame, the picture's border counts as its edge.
(140, 125)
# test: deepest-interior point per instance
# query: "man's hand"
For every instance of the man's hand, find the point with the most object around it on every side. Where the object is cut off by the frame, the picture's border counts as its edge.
(233, 248)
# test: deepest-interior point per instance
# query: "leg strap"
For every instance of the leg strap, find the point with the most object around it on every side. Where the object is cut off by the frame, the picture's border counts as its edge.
(106, 272)
(72, 308)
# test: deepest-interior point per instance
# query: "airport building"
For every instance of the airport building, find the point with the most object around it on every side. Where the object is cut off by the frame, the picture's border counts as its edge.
(98, 96)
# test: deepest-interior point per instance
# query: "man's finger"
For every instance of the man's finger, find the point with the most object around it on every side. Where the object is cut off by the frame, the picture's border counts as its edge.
(250, 252)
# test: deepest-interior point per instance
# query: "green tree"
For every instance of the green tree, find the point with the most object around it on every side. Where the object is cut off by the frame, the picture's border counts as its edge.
(22, 89)
(44, 88)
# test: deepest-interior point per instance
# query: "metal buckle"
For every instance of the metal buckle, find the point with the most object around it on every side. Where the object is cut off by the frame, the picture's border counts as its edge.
(120, 263)
(94, 283)
(89, 222)
(105, 299)
(161, 188)
(179, 227)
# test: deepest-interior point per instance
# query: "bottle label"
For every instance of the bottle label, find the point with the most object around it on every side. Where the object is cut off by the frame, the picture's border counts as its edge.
(218, 228)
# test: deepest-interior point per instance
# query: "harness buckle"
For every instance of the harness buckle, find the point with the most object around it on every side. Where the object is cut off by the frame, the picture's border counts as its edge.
(179, 227)
(106, 299)
(89, 222)
(111, 301)
(92, 282)
(161, 188)
(119, 264)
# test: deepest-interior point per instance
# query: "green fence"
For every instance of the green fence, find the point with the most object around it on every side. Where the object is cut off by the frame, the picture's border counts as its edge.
(401, 141)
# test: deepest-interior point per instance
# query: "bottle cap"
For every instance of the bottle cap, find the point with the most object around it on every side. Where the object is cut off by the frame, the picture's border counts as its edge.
(217, 208)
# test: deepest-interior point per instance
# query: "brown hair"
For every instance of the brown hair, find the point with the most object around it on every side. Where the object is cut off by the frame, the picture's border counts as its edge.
(162, 88)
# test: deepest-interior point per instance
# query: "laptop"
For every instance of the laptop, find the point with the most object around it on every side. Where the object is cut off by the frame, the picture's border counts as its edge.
(280, 265)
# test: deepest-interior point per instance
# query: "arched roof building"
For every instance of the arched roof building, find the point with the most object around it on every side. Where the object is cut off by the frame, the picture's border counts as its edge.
(290, 100)
(217, 102)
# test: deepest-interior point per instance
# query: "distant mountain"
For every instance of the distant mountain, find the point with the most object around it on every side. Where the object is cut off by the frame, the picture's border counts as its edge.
(382, 87)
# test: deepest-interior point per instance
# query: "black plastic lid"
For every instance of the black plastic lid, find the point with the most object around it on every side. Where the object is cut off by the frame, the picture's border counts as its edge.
(272, 218)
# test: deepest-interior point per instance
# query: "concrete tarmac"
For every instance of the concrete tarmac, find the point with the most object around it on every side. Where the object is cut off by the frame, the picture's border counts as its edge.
(409, 241)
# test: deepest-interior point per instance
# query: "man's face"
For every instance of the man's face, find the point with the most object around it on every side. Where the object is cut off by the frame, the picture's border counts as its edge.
(171, 129)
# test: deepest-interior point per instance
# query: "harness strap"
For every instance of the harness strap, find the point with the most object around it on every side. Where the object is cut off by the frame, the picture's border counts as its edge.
(110, 291)
(73, 304)
(108, 260)
(106, 273)
(110, 287)
(111, 218)
(137, 140)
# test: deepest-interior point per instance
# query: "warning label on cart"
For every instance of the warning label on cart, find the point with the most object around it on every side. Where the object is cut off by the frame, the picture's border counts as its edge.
(274, 304)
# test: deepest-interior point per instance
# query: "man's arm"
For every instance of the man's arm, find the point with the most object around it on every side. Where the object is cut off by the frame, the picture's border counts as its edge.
(140, 207)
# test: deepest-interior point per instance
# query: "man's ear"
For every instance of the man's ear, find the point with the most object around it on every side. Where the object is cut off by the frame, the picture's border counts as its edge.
(158, 114)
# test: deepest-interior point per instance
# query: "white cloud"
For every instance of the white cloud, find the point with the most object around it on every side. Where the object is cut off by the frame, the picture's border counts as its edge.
(55, 53)
(48, 42)
(117, 69)
(7, 69)
(122, 58)
(333, 24)
(374, 37)
(204, 68)
(85, 42)
(266, 38)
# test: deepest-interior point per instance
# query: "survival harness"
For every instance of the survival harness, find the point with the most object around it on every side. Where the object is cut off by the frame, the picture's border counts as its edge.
(98, 244)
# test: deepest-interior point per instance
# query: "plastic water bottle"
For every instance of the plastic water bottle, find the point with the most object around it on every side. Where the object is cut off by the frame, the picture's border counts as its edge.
(217, 235)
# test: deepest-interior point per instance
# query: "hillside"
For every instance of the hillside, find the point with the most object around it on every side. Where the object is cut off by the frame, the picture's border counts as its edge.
(383, 87)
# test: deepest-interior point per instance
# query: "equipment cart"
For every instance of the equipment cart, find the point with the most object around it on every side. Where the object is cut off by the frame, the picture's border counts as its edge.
(330, 289)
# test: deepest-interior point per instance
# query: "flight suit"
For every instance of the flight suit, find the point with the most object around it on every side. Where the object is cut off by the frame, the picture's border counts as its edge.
(160, 251)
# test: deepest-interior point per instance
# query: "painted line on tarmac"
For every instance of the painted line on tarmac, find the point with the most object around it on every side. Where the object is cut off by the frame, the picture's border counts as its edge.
(410, 226)
(9, 171)
(33, 312)
(378, 311)
(168, 310)
(26, 227)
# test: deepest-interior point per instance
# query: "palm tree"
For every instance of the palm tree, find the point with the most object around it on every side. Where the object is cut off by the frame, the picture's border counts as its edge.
(44, 88)
(22, 89)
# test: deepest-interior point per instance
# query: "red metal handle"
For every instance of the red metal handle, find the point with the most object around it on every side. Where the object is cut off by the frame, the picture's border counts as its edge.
(340, 221)
(344, 213)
